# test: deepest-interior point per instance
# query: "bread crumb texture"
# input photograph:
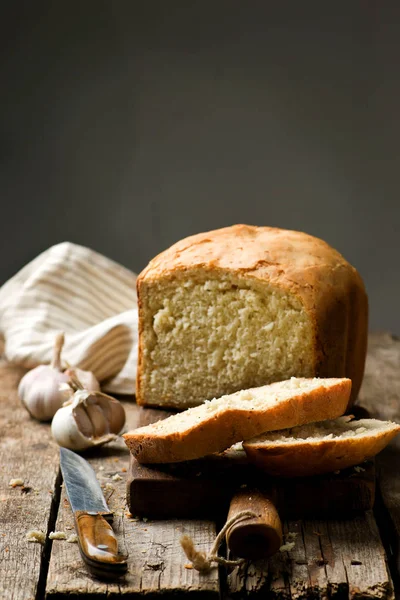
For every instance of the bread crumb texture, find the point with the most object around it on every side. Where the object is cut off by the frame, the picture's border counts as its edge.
(16, 482)
(220, 334)
(57, 535)
(287, 547)
(36, 536)
(341, 428)
(290, 542)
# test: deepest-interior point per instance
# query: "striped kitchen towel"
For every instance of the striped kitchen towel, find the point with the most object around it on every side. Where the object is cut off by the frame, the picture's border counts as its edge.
(90, 298)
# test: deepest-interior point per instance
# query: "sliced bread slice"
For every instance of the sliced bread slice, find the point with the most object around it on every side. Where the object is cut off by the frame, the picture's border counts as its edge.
(219, 423)
(319, 448)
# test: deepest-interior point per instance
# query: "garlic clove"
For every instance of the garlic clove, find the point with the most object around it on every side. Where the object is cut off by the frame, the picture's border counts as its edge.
(84, 420)
(97, 417)
(114, 411)
(66, 432)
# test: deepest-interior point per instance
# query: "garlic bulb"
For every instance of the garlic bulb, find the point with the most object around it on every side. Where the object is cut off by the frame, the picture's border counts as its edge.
(39, 390)
(87, 419)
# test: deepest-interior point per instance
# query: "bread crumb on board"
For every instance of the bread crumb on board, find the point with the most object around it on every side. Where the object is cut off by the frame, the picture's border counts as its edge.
(287, 547)
(116, 477)
(359, 469)
(132, 517)
(35, 535)
(38, 536)
(290, 542)
(57, 535)
(16, 482)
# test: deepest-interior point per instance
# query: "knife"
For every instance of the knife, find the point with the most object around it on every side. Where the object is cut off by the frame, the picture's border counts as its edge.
(97, 541)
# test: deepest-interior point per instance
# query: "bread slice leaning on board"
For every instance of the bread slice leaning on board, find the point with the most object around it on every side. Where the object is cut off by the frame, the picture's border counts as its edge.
(219, 423)
(318, 448)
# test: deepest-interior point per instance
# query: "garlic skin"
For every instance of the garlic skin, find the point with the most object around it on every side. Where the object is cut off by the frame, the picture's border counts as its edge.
(39, 389)
(87, 419)
(87, 379)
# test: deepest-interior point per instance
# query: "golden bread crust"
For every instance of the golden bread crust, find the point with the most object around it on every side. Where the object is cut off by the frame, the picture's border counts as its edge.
(330, 289)
(226, 427)
(302, 459)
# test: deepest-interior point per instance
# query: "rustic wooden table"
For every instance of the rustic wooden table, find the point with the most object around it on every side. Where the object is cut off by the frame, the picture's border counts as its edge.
(358, 558)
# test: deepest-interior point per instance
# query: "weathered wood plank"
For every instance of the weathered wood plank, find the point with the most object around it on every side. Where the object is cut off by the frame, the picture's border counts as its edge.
(299, 580)
(314, 559)
(330, 559)
(380, 391)
(356, 543)
(27, 452)
(380, 394)
(156, 561)
(249, 580)
(325, 566)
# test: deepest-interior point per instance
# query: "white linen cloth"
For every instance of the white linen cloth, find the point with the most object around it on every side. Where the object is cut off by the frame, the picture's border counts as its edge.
(90, 298)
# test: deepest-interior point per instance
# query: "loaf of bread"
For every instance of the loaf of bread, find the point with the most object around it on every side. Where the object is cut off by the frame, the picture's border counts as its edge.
(219, 423)
(245, 306)
(320, 447)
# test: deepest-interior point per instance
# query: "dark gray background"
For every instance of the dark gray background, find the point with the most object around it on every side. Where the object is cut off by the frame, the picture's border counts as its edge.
(125, 126)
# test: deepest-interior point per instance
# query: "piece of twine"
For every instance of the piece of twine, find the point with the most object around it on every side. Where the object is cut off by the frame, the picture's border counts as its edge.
(203, 562)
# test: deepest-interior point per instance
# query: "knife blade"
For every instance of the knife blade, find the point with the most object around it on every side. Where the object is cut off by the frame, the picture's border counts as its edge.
(97, 542)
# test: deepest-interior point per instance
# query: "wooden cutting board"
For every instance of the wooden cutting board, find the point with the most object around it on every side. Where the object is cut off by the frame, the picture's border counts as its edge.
(204, 488)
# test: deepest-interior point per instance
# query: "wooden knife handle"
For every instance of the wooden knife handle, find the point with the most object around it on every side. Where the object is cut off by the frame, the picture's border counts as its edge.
(98, 545)
(258, 537)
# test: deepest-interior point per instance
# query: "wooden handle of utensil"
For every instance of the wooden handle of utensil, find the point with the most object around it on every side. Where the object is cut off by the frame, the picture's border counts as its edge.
(258, 537)
(98, 545)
